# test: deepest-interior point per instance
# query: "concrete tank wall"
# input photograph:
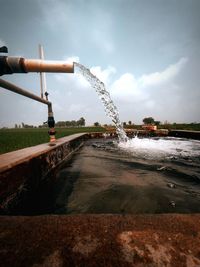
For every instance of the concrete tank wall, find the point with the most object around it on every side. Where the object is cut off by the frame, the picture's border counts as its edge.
(22, 171)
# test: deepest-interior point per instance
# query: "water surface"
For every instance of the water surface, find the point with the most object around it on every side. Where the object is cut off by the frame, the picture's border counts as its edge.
(159, 175)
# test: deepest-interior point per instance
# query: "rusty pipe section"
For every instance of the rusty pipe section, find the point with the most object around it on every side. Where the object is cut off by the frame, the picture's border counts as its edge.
(9, 65)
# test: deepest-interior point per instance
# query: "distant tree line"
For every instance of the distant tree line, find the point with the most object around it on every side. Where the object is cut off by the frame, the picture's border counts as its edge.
(96, 124)
(23, 125)
(127, 125)
(73, 123)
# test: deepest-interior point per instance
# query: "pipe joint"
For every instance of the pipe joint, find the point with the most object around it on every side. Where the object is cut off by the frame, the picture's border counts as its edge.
(4, 67)
(9, 65)
(16, 64)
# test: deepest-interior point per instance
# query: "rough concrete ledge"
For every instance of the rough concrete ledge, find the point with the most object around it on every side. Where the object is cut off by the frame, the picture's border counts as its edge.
(24, 169)
(130, 133)
(101, 240)
(185, 134)
(146, 133)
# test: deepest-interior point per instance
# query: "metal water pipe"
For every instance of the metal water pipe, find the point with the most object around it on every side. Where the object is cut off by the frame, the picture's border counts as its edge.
(10, 65)
(16, 89)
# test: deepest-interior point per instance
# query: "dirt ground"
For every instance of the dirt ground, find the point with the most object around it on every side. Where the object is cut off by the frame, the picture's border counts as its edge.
(100, 240)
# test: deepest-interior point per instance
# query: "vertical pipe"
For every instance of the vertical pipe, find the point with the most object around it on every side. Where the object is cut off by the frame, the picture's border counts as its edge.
(42, 74)
(51, 122)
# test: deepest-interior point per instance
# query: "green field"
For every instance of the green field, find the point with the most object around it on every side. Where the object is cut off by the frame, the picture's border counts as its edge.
(13, 139)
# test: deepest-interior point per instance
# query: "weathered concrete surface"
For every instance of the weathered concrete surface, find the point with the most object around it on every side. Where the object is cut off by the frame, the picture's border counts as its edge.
(23, 170)
(147, 133)
(11, 159)
(111, 133)
(100, 240)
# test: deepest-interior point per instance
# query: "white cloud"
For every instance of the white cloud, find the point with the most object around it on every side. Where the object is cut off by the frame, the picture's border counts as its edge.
(137, 95)
(131, 90)
(103, 75)
(75, 81)
(72, 59)
(78, 82)
(126, 89)
(159, 78)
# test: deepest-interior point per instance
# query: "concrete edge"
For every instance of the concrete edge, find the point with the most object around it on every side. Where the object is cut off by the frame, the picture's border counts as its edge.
(13, 158)
(23, 171)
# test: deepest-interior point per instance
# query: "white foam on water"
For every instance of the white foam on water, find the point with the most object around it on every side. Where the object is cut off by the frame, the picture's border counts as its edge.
(155, 148)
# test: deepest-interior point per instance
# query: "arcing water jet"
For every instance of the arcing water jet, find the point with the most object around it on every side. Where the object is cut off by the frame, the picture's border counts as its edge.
(110, 108)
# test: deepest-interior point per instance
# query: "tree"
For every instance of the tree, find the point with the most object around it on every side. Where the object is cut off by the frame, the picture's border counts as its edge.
(68, 123)
(96, 124)
(130, 122)
(81, 122)
(157, 123)
(149, 120)
(60, 124)
(73, 123)
(124, 124)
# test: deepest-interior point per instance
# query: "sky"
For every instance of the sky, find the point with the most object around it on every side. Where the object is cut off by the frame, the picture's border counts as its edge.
(147, 52)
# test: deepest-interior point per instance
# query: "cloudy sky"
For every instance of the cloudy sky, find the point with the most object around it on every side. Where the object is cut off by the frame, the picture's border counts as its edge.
(146, 51)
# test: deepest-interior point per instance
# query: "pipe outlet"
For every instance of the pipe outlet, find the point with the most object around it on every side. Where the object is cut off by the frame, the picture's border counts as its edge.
(9, 65)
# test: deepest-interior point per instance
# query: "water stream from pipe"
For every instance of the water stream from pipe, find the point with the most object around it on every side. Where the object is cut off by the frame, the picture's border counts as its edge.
(149, 148)
(110, 108)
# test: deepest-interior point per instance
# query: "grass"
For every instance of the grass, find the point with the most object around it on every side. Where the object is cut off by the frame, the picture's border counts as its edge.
(14, 139)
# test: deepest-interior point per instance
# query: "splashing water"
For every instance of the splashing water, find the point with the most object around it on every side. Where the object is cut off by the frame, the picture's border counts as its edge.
(146, 148)
(161, 148)
(110, 108)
